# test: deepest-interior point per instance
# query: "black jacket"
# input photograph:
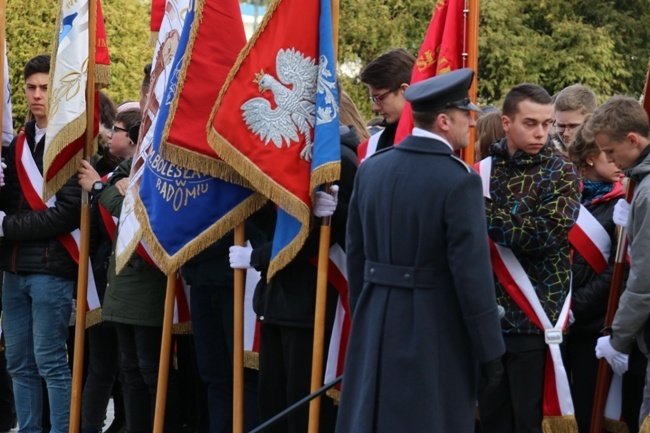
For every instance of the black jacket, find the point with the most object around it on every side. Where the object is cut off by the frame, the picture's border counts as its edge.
(30, 243)
(591, 290)
(290, 297)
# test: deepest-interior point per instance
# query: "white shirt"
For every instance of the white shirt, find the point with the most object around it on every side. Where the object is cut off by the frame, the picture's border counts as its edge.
(39, 134)
(419, 132)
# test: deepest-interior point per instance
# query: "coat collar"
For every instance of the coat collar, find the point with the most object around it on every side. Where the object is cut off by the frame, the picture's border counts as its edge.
(414, 143)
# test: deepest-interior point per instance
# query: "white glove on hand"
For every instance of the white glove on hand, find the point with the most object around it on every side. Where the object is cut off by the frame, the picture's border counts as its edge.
(621, 212)
(2, 173)
(324, 203)
(616, 359)
(240, 257)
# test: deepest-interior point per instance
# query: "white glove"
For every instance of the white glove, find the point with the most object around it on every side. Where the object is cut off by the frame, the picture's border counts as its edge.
(240, 257)
(621, 212)
(2, 173)
(324, 203)
(616, 359)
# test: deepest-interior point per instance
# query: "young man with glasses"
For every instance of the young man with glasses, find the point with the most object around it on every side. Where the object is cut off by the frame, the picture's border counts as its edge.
(572, 106)
(387, 77)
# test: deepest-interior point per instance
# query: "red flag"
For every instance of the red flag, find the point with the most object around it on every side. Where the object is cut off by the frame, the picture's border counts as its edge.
(157, 14)
(276, 119)
(441, 52)
(216, 40)
(102, 59)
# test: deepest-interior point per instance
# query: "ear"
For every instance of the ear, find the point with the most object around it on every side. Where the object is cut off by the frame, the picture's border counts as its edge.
(505, 122)
(633, 137)
(442, 122)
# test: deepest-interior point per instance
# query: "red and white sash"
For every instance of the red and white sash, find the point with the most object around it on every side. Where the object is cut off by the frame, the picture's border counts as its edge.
(591, 240)
(557, 394)
(31, 184)
(368, 147)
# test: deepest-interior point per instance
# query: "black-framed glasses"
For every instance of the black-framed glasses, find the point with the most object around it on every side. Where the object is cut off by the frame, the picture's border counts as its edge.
(117, 128)
(560, 127)
(380, 98)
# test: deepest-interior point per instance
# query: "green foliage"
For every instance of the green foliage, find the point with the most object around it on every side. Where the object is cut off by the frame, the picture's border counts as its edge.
(33, 33)
(555, 43)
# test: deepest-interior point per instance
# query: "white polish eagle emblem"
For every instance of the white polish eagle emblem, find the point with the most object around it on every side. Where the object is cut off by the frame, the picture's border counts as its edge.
(294, 93)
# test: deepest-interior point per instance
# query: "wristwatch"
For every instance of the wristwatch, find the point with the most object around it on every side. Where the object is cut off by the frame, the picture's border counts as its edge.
(97, 187)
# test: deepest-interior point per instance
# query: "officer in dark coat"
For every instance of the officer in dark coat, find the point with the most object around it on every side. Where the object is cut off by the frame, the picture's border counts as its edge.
(425, 326)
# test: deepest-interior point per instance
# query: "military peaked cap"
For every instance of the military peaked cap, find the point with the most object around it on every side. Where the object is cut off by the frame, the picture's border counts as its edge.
(448, 90)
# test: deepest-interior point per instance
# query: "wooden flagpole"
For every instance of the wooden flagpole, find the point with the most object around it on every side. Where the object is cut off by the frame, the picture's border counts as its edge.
(165, 351)
(238, 341)
(321, 282)
(84, 243)
(471, 37)
(604, 377)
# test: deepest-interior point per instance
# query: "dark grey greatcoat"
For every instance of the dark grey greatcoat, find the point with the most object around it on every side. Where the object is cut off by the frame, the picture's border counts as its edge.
(421, 292)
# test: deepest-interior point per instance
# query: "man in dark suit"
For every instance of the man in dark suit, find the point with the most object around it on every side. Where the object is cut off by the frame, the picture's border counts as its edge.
(424, 313)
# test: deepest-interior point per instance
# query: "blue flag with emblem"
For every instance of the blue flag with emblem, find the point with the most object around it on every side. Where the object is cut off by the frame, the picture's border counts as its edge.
(184, 211)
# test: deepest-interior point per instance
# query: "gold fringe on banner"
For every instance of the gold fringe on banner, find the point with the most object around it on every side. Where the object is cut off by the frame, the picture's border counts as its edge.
(68, 134)
(93, 317)
(182, 328)
(251, 360)
(123, 259)
(614, 426)
(560, 424)
(153, 39)
(169, 263)
(102, 75)
(645, 427)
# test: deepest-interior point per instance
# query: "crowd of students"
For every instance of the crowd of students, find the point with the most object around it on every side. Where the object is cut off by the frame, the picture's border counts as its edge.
(437, 310)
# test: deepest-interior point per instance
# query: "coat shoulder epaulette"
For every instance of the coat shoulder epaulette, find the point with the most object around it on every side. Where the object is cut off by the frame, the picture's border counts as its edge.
(460, 161)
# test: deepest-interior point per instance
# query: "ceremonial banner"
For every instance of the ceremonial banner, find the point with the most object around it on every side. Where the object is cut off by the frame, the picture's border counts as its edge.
(441, 52)
(7, 122)
(183, 210)
(130, 232)
(66, 111)
(276, 119)
(215, 41)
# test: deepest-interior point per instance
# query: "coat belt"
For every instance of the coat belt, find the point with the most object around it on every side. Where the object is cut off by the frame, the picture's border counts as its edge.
(406, 277)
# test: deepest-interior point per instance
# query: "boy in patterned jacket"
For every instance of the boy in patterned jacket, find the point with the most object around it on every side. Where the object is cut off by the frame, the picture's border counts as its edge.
(533, 202)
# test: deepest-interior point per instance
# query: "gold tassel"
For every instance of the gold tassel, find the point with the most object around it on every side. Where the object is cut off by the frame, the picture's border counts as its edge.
(93, 317)
(645, 427)
(335, 395)
(182, 328)
(560, 424)
(614, 426)
(251, 360)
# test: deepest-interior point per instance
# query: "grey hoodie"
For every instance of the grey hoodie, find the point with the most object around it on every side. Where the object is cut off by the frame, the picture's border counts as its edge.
(634, 306)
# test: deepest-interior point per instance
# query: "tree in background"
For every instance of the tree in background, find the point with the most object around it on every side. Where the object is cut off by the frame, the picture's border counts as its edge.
(601, 43)
(32, 33)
